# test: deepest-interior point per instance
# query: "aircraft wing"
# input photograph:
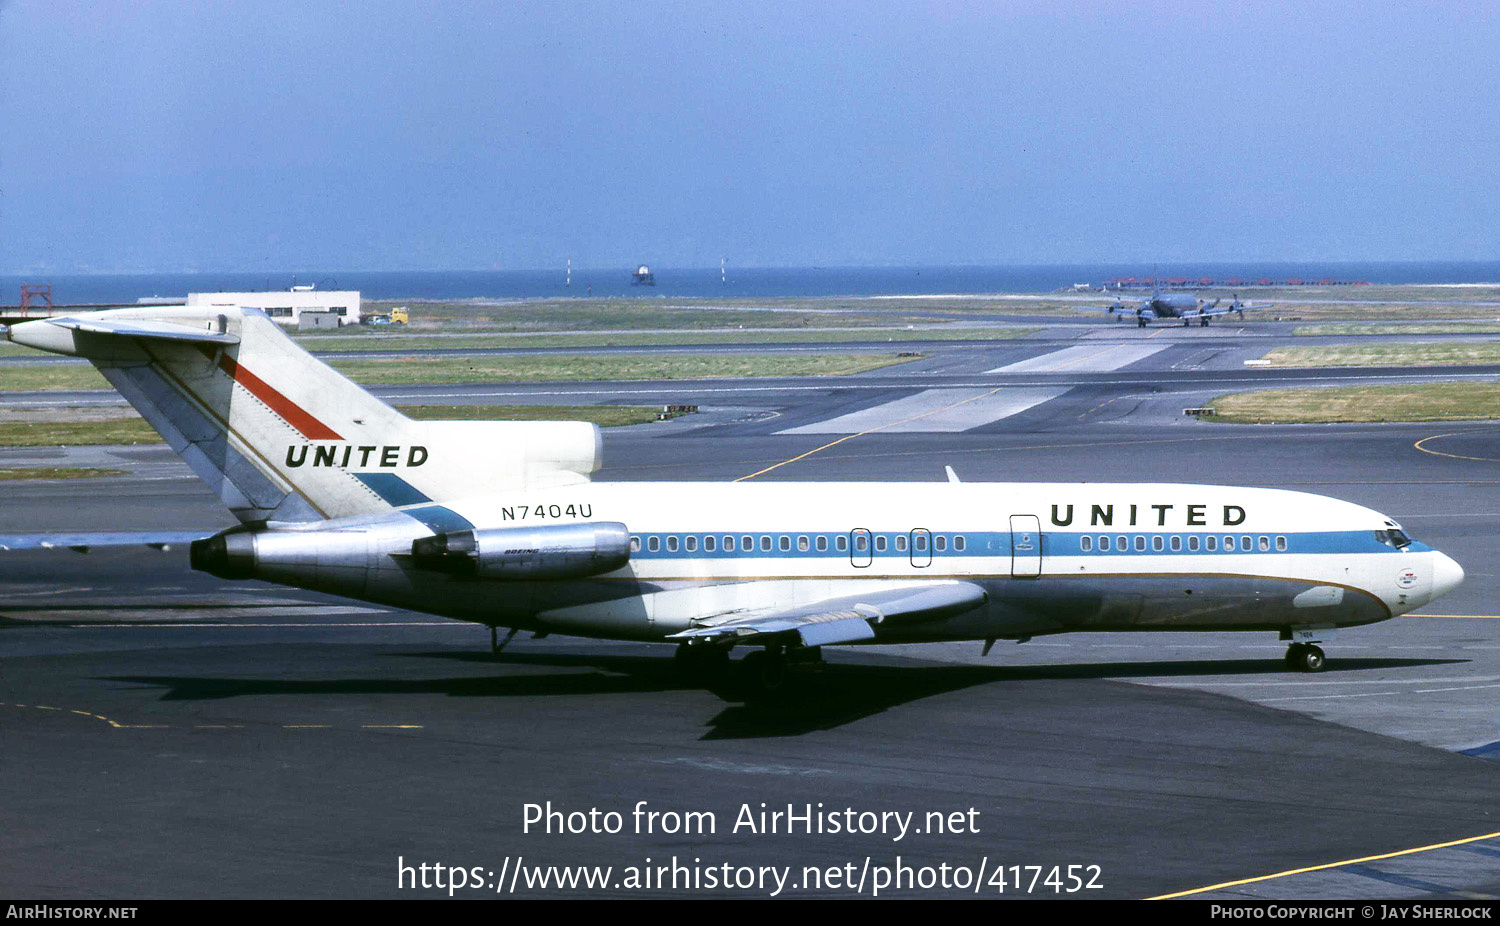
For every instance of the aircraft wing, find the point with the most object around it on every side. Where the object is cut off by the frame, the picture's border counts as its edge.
(1134, 307)
(84, 541)
(844, 619)
(1235, 307)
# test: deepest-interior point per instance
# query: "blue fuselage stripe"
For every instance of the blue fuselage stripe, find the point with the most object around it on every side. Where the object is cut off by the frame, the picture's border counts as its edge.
(696, 545)
(392, 489)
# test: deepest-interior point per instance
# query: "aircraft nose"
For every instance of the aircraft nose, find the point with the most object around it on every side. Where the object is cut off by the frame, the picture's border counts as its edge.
(1446, 574)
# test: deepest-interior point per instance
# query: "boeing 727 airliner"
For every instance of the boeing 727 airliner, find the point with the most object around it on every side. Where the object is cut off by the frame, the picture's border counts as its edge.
(499, 523)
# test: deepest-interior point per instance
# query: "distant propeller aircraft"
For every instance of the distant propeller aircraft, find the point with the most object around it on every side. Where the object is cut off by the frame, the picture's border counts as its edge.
(1186, 307)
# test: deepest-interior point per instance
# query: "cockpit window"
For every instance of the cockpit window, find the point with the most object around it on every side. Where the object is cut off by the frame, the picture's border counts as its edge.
(1394, 537)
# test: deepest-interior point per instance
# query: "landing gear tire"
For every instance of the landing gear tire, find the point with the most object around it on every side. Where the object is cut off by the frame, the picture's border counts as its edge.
(764, 675)
(701, 663)
(1140, 321)
(1305, 657)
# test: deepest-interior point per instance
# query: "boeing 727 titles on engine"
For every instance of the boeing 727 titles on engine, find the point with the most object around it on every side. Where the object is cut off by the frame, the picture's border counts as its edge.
(499, 523)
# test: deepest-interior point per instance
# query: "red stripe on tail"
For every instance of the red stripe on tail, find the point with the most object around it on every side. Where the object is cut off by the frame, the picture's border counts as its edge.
(294, 415)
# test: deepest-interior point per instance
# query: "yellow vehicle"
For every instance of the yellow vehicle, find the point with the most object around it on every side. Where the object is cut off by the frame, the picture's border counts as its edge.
(396, 316)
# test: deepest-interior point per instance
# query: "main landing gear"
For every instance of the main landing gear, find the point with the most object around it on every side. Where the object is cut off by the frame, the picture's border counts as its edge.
(774, 672)
(496, 644)
(701, 664)
(1305, 657)
(763, 675)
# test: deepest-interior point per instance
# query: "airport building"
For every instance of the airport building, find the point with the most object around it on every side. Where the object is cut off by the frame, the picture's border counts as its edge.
(287, 306)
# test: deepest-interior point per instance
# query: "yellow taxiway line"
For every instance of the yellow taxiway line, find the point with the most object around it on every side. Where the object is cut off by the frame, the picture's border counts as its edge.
(1326, 867)
(1453, 456)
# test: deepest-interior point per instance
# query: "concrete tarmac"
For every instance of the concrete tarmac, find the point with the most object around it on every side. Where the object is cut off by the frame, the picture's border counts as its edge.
(167, 734)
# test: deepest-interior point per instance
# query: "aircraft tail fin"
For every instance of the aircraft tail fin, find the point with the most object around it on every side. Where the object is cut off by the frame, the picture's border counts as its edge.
(281, 436)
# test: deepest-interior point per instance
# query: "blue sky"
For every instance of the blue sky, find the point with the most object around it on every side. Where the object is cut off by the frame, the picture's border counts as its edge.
(176, 136)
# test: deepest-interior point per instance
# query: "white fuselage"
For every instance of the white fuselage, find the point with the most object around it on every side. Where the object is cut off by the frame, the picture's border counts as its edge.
(1052, 557)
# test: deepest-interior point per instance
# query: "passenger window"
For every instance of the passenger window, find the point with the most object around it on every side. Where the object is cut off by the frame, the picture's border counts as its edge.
(803, 545)
(728, 543)
(1176, 543)
(690, 543)
(671, 543)
(901, 543)
(635, 544)
(653, 544)
(1140, 543)
(941, 542)
(1193, 544)
(861, 542)
(1265, 544)
(1228, 544)
(1103, 543)
(785, 543)
(841, 542)
(1086, 543)
(880, 543)
(1122, 544)
(1281, 543)
(919, 541)
(1156, 543)
(1210, 543)
(709, 543)
(959, 543)
(1245, 543)
(821, 543)
(765, 543)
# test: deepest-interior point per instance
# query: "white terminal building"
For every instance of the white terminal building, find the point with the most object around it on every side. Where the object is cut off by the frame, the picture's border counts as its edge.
(330, 307)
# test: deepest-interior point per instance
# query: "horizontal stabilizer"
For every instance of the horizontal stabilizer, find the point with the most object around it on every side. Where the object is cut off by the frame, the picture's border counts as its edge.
(144, 328)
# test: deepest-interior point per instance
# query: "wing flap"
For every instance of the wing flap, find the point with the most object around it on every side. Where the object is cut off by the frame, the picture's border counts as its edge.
(843, 630)
(844, 619)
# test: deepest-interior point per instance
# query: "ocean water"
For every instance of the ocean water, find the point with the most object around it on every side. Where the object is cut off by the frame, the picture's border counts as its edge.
(746, 282)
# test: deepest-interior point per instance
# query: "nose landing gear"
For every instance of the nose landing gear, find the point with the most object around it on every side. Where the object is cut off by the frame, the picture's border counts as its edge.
(1305, 657)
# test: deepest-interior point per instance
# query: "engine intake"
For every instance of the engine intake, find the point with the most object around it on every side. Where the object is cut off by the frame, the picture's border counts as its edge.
(564, 551)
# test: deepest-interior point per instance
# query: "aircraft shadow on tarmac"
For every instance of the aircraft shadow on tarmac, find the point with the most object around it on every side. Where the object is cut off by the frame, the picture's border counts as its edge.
(840, 694)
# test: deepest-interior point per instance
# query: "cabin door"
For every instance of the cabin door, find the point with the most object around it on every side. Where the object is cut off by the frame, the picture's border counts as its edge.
(1025, 546)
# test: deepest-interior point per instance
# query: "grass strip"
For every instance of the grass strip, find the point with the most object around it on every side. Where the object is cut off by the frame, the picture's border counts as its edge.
(1452, 401)
(19, 473)
(1441, 353)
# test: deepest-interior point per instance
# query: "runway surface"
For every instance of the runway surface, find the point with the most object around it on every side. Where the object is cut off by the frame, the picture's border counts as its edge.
(164, 733)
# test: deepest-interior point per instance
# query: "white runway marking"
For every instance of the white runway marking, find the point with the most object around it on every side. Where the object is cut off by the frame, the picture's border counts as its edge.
(1086, 359)
(962, 417)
